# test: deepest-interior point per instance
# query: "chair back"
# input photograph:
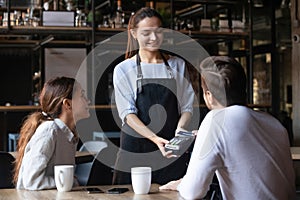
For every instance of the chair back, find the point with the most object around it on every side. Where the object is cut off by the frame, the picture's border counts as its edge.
(93, 146)
(100, 173)
(6, 170)
(82, 171)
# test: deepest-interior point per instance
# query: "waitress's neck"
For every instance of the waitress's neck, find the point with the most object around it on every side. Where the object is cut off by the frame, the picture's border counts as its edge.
(150, 56)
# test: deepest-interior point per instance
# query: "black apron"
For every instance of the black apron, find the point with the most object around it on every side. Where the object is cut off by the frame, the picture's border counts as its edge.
(158, 109)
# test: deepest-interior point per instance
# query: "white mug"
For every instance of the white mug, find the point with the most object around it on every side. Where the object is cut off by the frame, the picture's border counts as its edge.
(141, 179)
(64, 175)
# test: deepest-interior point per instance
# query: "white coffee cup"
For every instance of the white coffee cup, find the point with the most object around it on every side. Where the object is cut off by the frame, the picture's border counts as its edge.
(141, 179)
(64, 175)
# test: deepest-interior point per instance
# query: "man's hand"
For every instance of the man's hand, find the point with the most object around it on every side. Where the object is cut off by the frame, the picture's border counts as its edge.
(195, 132)
(178, 130)
(172, 185)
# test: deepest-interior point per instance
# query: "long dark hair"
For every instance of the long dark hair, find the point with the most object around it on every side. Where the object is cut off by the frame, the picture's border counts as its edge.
(132, 45)
(51, 99)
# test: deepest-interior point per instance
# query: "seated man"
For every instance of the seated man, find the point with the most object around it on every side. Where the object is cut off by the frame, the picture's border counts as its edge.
(248, 150)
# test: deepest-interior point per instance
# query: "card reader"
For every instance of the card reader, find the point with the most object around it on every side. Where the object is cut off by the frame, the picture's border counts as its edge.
(180, 143)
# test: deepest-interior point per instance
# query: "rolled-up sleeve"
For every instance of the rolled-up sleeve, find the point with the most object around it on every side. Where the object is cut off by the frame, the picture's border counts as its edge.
(124, 92)
(185, 91)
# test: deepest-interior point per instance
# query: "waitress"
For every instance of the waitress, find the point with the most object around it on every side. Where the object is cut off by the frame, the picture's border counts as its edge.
(154, 99)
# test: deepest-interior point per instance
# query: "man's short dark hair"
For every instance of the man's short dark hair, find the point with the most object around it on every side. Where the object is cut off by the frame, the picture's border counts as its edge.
(225, 79)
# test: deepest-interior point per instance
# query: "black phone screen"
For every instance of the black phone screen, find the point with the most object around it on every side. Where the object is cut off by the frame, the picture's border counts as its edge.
(94, 190)
(117, 190)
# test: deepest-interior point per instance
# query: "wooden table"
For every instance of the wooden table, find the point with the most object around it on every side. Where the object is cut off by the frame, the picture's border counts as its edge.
(79, 193)
(80, 157)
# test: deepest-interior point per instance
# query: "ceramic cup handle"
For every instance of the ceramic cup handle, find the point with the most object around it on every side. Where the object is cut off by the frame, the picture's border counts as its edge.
(61, 178)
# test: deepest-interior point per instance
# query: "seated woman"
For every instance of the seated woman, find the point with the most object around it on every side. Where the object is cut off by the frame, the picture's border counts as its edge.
(48, 137)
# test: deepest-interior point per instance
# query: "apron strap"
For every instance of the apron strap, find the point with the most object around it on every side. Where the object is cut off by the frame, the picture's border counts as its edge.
(167, 65)
(138, 64)
(140, 73)
(139, 69)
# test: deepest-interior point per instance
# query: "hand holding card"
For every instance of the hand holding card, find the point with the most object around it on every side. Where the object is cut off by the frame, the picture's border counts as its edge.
(180, 143)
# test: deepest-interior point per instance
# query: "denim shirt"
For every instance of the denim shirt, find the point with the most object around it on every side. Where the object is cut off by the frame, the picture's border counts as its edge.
(52, 144)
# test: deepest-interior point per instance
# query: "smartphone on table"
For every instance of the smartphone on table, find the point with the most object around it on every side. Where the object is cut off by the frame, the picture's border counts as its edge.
(117, 190)
(93, 190)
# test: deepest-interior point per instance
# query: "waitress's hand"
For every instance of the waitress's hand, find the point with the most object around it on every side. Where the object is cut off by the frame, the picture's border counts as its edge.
(161, 142)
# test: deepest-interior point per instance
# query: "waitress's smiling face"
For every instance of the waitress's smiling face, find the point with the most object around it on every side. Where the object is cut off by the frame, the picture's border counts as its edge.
(149, 33)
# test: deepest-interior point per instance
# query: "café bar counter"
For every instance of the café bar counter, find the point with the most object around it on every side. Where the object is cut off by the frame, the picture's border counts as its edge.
(80, 193)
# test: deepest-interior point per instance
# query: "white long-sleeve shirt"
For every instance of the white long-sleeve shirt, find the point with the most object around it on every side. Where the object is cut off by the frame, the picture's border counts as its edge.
(248, 150)
(52, 144)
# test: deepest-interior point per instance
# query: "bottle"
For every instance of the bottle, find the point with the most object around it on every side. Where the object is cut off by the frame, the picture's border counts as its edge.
(19, 19)
(5, 19)
(119, 18)
(80, 19)
(214, 23)
(151, 4)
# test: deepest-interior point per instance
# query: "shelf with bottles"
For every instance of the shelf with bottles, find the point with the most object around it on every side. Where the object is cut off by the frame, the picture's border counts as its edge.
(42, 29)
(222, 17)
(29, 34)
(215, 34)
(19, 13)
